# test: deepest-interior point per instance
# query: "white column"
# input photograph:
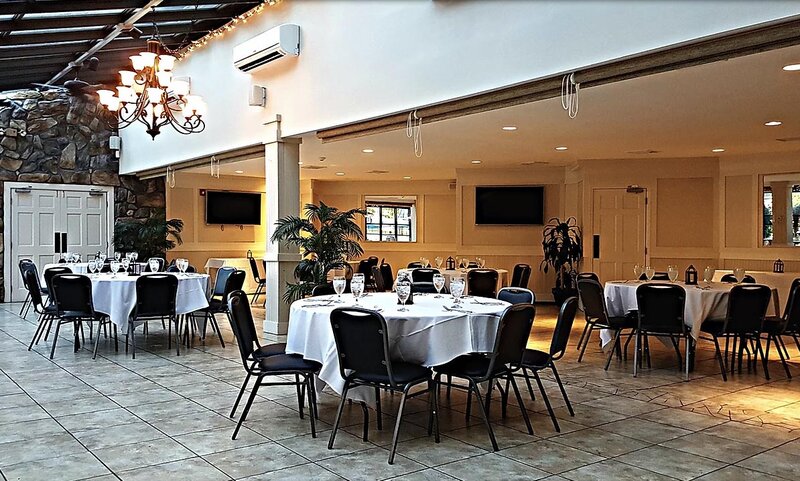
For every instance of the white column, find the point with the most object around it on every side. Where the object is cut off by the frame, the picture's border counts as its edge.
(283, 198)
(782, 213)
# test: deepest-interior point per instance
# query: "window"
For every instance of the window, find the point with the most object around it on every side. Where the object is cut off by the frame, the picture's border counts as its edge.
(781, 210)
(391, 219)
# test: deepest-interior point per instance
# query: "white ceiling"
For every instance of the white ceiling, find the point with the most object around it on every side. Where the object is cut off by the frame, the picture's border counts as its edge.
(683, 113)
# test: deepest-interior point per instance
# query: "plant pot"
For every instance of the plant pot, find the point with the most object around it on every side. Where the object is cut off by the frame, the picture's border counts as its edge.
(560, 294)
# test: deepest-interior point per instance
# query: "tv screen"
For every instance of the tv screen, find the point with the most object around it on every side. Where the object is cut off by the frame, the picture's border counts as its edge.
(518, 205)
(238, 208)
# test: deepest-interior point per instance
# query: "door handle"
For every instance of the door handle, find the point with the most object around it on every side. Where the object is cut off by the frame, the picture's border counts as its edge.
(64, 242)
(57, 242)
(596, 246)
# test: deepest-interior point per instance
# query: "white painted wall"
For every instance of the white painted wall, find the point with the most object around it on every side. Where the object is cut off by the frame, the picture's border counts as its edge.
(361, 59)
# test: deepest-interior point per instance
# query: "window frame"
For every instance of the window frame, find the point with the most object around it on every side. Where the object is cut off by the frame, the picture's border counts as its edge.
(396, 206)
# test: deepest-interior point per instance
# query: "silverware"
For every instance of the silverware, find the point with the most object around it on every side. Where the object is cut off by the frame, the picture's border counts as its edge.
(453, 309)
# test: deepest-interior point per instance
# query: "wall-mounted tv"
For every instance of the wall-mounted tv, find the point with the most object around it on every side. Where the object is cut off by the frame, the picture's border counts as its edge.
(509, 205)
(238, 208)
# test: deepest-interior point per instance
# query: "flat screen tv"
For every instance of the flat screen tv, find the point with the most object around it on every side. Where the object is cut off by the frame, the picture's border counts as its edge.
(238, 208)
(512, 205)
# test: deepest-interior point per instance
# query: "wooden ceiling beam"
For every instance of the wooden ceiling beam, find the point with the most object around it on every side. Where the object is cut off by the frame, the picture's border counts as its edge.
(13, 7)
(110, 20)
(79, 35)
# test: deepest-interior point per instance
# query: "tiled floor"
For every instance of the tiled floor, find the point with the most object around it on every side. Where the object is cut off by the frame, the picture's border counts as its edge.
(161, 416)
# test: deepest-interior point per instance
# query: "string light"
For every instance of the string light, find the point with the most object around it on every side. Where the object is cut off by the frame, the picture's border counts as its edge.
(218, 32)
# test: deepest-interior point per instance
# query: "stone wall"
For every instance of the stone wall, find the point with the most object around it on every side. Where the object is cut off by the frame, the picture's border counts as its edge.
(56, 138)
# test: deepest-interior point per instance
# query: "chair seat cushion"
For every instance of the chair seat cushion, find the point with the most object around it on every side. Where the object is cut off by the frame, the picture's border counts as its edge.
(622, 322)
(712, 326)
(469, 365)
(534, 358)
(288, 363)
(216, 306)
(403, 373)
(773, 325)
(270, 350)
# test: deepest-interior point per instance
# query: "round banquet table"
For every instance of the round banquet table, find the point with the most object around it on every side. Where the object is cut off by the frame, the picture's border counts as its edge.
(426, 334)
(115, 296)
(502, 276)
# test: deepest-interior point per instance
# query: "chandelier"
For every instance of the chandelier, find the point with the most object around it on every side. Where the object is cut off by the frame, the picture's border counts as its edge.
(150, 95)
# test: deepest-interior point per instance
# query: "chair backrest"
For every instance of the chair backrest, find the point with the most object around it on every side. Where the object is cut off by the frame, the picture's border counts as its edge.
(323, 290)
(792, 313)
(414, 265)
(566, 316)
(377, 277)
(364, 267)
(242, 325)
(161, 263)
(593, 300)
(516, 295)
(482, 283)
(221, 280)
(423, 288)
(234, 282)
(72, 294)
(423, 274)
(512, 335)
(747, 307)
(31, 279)
(388, 277)
(661, 308)
(24, 264)
(730, 278)
(362, 342)
(373, 260)
(52, 272)
(156, 295)
(521, 275)
(588, 275)
(254, 270)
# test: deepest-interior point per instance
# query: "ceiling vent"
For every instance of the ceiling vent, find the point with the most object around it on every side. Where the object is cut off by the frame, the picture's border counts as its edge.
(789, 139)
(538, 162)
(644, 152)
(377, 171)
(314, 167)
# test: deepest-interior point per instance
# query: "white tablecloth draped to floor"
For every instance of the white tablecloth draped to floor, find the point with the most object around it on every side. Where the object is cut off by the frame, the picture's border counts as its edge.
(116, 296)
(427, 334)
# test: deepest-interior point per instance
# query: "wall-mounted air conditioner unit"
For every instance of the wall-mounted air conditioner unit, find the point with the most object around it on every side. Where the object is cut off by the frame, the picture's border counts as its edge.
(278, 42)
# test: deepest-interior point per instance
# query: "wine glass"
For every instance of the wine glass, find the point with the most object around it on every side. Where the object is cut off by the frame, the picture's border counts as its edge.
(126, 263)
(339, 283)
(91, 266)
(183, 265)
(117, 256)
(153, 263)
(102, 258)
(739, 274)
(115, 268)
(708, 274)
(357, 285)
(438, 283)
(438, 260)
(672, 272)
(637, 272)
(456, 288)
(481, 262)
(134, 256)
(649, 272)
(403, 290)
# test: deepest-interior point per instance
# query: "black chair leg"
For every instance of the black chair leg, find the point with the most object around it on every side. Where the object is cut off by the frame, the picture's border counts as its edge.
(779, 337)
(378, 410)
(132, 330)
(474, 386)
(522, 408)
(24, 305)
(583, 335)
(241, 392)
(780, 354)
(55, 338)
(247, 406)
(722, 363)
(308, 380)
(764, 357)
(396, 434)
(96, 342)
(561, 387)
(339, 414)
(586, 342)
(614, 343)
(39, 329)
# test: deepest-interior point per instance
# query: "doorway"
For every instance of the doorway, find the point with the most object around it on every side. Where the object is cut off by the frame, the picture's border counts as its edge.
(43, 219)
(619, 234)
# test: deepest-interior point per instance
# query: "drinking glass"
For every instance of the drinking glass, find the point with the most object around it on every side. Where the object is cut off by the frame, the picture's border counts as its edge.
(339, 283)
(357, 286)
(649, 272)
(102, 258)
(182, 264)
(403, 292)
(439, 260)
(456, 288)
(438, 283)
(153, 263)
(672, 272)
(114, 268)
(134, 256)
(90, 266)
(126, 262)
(739, 274)
(708, 274)
(481, 262)
(637, 272)
(117, 256)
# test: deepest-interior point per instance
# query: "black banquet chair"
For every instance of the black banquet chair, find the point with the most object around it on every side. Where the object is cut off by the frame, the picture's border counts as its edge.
(534, 360)
(423, 274)
(362, 343)
(260, 281)
(72, 294)
(377, 277)
(786, 325)
(661, 313)
(510, 340)
(278, 364)
(155, 301)
(520, 276)
(46, 312)
(415, 265)
(594, 309)
(482, 283)
(731, 279)
(233, 282)
(388, 275)
(24, 265)
(516, 295)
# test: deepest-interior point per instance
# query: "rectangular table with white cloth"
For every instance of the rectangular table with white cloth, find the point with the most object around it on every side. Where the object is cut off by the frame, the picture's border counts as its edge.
(430, 333)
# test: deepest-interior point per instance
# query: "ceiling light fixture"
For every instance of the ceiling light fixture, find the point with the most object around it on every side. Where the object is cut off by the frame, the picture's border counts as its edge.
(792, 68)
(773, 123)
(407, 177)
(367, 151)
(561, 148)
(475, 161)
(718, 150)
(509, 128)
(239, 171)
(339, 173)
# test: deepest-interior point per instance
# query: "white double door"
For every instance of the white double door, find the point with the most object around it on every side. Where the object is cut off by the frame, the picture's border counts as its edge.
(46, 219)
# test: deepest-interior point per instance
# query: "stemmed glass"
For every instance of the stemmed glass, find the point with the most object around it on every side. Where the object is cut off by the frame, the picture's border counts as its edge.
(438, 260)
(481, 262)
(134, 256)
(102, 258)
(456, 288)
(708, 274)
(649, 272)
(438, 283)
(182, 265)
(153, 263)
(739, 274)
(117, 256)
(91, 266)
(339, 283)
(637, 272)
(672, 272)
(403, 290)
(126, 262)
(357, 286)
(114, 268)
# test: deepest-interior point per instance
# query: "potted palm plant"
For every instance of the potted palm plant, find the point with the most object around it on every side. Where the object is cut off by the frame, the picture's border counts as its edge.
(151, 237)
(327, 239)
(563, 250)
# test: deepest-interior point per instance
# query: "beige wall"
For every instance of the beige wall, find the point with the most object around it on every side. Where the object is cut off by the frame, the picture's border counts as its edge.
(201, 241)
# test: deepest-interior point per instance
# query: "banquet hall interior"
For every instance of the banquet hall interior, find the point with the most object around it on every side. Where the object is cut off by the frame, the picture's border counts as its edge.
(409, 239)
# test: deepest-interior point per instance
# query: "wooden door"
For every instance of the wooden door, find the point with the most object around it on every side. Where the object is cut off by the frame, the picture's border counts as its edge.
(619, 233)
(35, 218)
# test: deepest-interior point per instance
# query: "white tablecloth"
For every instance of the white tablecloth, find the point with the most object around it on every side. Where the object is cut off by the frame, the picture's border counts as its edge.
(116, 296)
(76, 267)
(427, 334)
(502, 276)
(780, 281)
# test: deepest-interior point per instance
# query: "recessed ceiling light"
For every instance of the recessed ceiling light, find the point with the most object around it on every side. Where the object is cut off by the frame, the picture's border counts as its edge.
(792, 68)
(239, 171)
(718, 150)
(475, 161)
(339, 173)
(367, 151)
(561, 148)
(509, 128)
(773, 123)
(407, 177)
(299, 162)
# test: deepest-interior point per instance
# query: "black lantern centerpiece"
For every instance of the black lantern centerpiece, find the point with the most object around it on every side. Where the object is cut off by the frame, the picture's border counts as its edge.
(778, 267)
(450, 263)
(691, 276)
